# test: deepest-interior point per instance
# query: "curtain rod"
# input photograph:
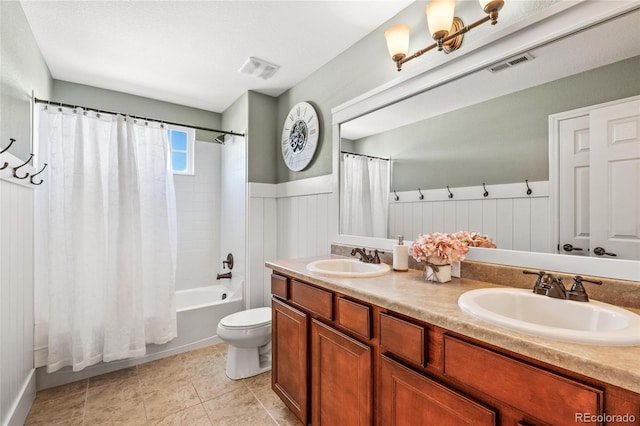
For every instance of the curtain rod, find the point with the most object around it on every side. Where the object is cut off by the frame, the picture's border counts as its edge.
(364, 155)
(42, 101)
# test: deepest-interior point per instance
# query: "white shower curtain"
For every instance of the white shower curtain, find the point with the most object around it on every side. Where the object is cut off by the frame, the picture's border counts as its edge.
(105, 236)
(365, 196)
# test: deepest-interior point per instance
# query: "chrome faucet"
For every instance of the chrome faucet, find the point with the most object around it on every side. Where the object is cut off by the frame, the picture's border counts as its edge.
(367, 257)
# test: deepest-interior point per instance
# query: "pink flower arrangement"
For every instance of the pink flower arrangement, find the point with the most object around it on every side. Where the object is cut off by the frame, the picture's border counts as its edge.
(446, 247)
(474, 239)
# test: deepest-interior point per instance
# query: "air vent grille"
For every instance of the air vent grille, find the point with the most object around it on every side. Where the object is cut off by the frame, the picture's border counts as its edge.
(510, 62)
(259, 68)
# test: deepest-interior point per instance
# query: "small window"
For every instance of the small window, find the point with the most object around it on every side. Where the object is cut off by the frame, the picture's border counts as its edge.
(181, 141)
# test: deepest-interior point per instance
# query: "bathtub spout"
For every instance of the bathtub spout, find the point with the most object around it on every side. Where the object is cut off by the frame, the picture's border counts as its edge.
(225, 275)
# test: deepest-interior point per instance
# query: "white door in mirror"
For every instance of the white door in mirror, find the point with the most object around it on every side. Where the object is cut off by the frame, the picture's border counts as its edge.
(300, 136)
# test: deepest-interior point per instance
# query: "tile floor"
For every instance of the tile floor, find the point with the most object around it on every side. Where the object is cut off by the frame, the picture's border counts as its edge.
(188, 389)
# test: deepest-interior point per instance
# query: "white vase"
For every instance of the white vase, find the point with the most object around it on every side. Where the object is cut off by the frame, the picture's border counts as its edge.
(436, 270)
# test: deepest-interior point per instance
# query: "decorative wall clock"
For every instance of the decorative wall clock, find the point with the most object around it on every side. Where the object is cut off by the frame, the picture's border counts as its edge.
(300, 136)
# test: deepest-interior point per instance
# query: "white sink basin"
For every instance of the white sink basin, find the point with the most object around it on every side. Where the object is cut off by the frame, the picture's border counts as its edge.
(350, 268)
(591, 322)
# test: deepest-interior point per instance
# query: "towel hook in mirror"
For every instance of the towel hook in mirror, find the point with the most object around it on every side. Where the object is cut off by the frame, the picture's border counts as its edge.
(11, 141)
(395, 197)
(421, 197)
(529, 191)
(485, 193)
(41, 180)
(450, 193)
(15, 169)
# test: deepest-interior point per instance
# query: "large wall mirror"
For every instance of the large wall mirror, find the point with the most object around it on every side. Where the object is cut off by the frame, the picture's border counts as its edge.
(484, 130)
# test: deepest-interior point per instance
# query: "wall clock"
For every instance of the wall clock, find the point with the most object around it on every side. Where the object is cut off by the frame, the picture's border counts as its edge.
(300, 136)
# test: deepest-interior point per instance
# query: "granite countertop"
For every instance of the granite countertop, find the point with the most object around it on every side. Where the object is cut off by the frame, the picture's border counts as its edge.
(407, 293)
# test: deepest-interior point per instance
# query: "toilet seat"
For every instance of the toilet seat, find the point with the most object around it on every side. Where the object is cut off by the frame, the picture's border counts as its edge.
(251, 318)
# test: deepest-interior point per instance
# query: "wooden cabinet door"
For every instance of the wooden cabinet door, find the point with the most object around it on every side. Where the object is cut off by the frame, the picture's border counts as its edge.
(411, 399)
(341, 378)
(290, 354)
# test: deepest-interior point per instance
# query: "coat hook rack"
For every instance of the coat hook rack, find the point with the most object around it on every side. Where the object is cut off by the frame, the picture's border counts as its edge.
(485, 193)
(529, 191)
(396, 195)
(421, 196)
(450, 193)
(15, 169)
(11, 141)
(6, 163)
(41, 180)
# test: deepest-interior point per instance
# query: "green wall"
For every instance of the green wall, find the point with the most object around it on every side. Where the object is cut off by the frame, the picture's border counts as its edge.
(366, 65)
(503, 140)
(22, 69)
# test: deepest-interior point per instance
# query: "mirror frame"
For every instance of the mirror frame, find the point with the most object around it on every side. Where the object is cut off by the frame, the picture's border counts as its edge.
(556, 22)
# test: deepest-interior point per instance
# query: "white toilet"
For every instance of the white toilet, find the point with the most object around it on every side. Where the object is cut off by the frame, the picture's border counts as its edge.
(248, 334)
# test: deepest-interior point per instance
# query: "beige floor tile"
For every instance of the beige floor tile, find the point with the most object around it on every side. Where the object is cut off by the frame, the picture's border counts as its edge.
(67, 409)
(193, 416)
(166, 371)
(275, 407)
(126, 375)
(64, 390)
(169, 400)
(212, 385)
(260, 381)
(237, 407)
(115, 402)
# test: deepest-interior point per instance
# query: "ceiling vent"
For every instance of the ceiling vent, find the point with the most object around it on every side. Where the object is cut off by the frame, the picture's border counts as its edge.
(256, 67)
(510, 62)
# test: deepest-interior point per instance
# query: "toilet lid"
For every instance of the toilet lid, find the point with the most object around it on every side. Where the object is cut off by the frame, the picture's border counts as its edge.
(247, 319)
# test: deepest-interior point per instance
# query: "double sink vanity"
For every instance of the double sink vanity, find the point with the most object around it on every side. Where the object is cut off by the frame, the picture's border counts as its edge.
(356, 343)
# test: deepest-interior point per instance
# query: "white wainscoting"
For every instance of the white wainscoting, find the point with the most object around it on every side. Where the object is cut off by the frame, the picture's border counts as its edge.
(511, 217)
(285, 220)
(17, 390)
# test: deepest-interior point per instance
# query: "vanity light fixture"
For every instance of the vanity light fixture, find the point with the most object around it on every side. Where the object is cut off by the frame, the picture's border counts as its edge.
(446, 29)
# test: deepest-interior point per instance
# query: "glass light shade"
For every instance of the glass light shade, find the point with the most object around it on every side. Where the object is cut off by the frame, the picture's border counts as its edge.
(440, 17)
(398, 39)
(488, 5)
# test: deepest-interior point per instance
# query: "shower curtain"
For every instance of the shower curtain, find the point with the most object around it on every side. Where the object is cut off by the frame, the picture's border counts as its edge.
(365, 196)
(105, 236)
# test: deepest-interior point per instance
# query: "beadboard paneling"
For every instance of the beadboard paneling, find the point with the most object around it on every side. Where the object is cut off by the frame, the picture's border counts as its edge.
(512, 218)
(17, 389)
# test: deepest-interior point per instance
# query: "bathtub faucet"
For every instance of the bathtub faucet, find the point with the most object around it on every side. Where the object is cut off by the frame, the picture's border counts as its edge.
(225, 275)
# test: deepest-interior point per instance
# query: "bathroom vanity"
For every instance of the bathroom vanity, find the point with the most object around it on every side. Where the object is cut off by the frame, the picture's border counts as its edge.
(396, 350)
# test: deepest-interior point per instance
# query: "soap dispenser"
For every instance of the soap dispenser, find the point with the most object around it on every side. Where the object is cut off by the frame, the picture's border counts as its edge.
(400, 256)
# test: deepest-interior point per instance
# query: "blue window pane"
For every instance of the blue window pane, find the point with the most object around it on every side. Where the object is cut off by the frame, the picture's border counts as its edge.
(178, 140)
(179, 161)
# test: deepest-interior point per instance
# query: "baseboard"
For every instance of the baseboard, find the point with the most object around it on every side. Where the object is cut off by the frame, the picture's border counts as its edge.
(20, 410)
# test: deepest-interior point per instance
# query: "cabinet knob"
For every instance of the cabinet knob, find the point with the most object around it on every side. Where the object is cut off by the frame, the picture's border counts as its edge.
(570, 248)
(599, 251)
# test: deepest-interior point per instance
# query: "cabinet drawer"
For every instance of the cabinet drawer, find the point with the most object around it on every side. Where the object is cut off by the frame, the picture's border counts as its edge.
(279, 286)
(409, 398)
(318, 301)
(552, 398)
(403, 338)
(354, 316)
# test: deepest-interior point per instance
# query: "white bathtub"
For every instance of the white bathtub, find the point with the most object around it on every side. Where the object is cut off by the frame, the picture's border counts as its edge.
(202, 297)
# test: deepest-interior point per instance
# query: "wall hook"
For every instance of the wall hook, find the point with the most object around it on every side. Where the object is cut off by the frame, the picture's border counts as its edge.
(421, 195)
(450, 193)
(396, 196)
(15, 169)
(529, 191)
(11, 141)
(485, 193)
(41, 180)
